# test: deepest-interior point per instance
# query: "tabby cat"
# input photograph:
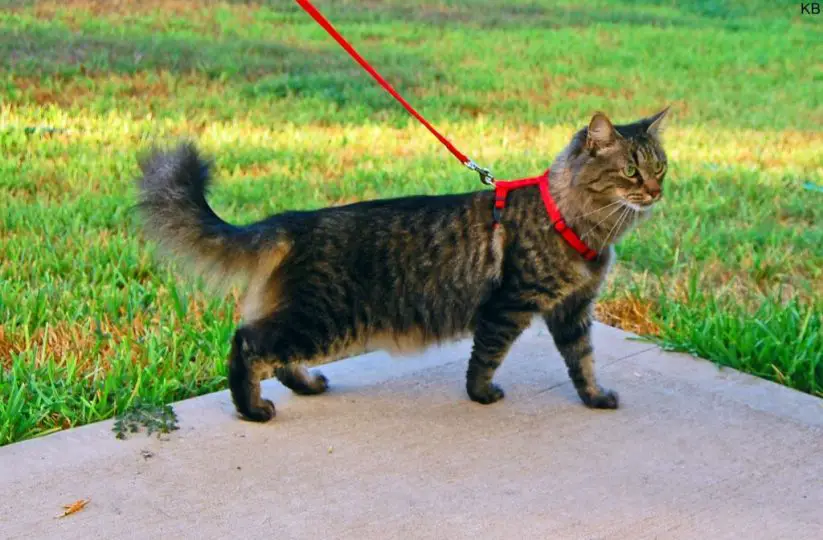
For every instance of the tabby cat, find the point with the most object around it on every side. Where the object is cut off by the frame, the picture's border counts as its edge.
(405, 273)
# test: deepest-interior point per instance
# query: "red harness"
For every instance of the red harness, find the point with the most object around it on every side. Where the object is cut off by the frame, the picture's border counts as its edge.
(501, 188)
(501, 193)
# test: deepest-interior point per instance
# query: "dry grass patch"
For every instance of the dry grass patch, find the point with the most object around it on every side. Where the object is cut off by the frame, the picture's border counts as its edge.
(90, 343)
(628, 313)
(80, 92)
(85, 342)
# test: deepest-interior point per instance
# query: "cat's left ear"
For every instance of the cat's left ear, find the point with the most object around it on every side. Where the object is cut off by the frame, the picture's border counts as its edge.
(657, 123)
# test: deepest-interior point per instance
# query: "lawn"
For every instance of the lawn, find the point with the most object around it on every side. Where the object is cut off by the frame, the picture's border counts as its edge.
(730, 268)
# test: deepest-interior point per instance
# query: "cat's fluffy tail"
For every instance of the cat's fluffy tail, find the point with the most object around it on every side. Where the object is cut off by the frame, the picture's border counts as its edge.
(176, 214)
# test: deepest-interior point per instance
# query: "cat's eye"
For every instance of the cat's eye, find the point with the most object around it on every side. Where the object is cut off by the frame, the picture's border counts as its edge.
(660, 168)
(629, 170)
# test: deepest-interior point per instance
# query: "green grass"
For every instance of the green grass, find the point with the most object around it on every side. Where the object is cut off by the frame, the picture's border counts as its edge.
(730, 268)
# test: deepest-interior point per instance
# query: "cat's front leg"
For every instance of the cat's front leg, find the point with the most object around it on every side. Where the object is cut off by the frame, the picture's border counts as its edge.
(495, 332)
(570, 326)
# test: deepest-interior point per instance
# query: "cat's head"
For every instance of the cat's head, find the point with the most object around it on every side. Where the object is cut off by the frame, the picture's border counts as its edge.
(623, 163)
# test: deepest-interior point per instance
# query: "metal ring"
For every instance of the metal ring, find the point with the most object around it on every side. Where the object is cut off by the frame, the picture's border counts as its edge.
(485, 174)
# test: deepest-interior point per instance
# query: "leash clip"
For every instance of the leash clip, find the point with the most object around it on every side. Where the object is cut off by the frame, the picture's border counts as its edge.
(485, 174)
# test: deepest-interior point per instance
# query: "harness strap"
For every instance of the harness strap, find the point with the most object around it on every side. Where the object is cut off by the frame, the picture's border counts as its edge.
(501, 194)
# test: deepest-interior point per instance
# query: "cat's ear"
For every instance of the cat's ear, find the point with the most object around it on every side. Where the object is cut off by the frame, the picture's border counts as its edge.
(657, 123)
(601, 132)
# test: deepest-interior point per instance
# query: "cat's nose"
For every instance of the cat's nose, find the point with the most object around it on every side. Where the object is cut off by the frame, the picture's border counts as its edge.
(653, 189)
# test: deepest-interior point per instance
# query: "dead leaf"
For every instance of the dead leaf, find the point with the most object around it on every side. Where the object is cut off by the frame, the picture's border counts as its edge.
(74, 507)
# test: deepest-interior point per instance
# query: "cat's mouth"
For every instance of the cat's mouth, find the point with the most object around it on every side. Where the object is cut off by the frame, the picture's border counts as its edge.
(639, 206)
(639, 202)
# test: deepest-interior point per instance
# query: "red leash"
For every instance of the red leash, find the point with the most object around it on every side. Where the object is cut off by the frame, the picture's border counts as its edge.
(501, 188)
(485, 174)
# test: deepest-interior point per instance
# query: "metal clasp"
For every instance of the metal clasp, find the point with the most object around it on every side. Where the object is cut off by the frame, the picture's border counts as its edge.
(485, 174)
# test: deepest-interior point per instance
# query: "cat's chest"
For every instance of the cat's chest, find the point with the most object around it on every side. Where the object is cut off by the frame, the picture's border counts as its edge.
(591, 275)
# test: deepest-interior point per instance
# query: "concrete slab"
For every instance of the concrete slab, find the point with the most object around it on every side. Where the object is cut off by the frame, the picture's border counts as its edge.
(395, 450)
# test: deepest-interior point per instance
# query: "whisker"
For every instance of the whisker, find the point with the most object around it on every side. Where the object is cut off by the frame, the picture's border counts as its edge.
(599, 209)
(601, 221)
(633, 213)
(628, 210)
(605, 241)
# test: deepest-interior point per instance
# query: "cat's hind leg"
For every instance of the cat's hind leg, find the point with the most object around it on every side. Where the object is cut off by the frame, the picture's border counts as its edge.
(273, 346)
(300, 380)
(246, 369)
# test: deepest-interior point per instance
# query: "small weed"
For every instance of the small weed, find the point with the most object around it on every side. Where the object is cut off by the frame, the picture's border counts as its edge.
(160, 419)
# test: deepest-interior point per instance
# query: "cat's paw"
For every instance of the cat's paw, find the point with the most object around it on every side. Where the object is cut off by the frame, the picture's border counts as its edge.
(603, 399)
(263, 413)
(314, 384)
(487, 394)
(321, 382)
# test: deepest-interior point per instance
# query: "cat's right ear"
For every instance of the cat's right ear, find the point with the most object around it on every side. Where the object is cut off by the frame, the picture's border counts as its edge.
(601, 132)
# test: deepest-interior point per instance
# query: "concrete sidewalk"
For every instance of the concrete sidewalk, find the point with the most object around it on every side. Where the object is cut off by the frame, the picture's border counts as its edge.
(396, 450)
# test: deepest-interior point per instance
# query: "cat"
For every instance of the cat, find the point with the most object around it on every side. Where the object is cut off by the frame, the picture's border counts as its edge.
(406, 273)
